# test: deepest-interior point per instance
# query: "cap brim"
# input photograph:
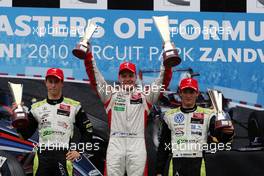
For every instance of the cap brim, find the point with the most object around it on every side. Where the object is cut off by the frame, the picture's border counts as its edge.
(60, 78)
(190, 87)
(126, 69)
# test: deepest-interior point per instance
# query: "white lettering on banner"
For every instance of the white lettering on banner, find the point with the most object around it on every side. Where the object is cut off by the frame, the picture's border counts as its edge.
(189, 29)
(135, 53)
(154, 51)
(192, 34)
(186, 54)
(8, 50)
(211, 32)
(20, 23)
(248, 55)
(53, 25)
(251, 31)
(142, 28)
(204, 57)
(61, 32)
(41, 24)
(261, 55)
(5, 25)
(131, 28)
(34, 51)
(77, 23)
(110, 52)
(233, 33)
(99, 33)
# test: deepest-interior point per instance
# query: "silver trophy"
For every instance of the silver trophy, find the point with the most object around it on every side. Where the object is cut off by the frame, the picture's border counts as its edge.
(170, 53)
(222, 118)
(83, 47)
(19, 118)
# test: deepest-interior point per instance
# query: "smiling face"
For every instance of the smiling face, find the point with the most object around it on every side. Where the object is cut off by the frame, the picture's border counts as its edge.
(188, 97)
(127, 78)
(54, 87)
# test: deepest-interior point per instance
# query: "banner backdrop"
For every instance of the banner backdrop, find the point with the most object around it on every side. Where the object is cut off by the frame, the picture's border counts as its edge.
(225, 48)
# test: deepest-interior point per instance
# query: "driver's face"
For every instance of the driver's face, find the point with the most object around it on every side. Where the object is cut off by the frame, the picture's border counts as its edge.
(188, 97)
(54, 86)
(127, 78)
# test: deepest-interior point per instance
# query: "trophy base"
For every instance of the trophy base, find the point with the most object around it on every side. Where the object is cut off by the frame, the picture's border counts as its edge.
(20, 123)
(222, 123)
(20, 120)
(80, 51)
(171, 58)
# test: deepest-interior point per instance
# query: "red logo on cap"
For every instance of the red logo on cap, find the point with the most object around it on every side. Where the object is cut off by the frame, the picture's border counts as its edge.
(127, 66)
(189, 83)
(55, 72)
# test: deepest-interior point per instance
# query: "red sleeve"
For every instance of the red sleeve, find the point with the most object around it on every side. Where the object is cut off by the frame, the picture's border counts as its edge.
(90, 70)
(167, 77)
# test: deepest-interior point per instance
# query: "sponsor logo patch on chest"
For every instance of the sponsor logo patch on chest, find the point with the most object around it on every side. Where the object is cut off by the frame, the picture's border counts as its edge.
(65, 107)
(197, 118)
(64, 110)
(136, 99)
(198, 115)
(179, 118)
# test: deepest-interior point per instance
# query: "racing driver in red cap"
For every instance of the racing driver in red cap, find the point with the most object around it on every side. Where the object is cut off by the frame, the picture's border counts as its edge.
(55, 119)
(127, 108)
(185, 132)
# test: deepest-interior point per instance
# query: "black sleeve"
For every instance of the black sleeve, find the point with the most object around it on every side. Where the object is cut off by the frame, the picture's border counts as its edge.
(31, 128)
(84, 126)
(164, 148)
(221, 137)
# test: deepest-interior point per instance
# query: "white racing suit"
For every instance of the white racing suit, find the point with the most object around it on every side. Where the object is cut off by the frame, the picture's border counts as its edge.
(55, 121)
(127, 116)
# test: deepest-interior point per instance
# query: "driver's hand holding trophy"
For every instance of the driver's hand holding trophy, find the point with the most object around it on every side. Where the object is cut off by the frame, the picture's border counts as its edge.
(170, 53)
(222, 121)
(19, 118)
(84, 46)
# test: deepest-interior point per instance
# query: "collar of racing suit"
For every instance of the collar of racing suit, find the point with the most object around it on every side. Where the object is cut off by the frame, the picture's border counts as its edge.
(188, 110)
(54, 102)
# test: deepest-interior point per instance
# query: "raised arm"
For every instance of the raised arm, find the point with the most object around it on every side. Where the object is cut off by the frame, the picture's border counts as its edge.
(159, 85)
(97, 81)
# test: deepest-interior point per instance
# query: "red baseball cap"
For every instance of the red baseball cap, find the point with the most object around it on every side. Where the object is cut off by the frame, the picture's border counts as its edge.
(189, 83)
(56, 72)
(127, 66)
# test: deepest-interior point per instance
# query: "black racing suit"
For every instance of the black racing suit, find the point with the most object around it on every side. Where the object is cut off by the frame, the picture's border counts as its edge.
(186, 126)
(56, 121)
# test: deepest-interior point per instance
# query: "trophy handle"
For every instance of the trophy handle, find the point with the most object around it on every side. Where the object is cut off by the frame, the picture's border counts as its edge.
(83, 47)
